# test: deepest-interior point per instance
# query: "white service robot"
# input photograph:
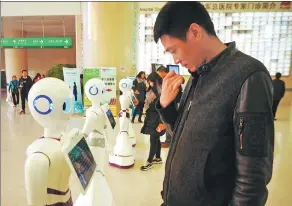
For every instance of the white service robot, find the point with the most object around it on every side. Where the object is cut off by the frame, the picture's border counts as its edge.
(95, 122)
(46, 170)
(122, 155)
(99, 193)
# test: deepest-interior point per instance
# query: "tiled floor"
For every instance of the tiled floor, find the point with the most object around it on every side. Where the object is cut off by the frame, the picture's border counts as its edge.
(129, 187)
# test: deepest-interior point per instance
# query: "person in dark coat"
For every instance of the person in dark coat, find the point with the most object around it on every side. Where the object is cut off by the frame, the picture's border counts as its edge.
(25, 83)
(222, 147)
(75, 91)
(37, 78)
(162, 72)
(279, 91)
(153, 125)
(139, 88)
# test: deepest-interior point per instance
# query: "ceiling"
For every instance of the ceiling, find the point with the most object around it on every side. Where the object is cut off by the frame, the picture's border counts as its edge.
(33, 25)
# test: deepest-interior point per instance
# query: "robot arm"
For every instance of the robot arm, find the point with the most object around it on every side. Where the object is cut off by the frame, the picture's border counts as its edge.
(36, 177)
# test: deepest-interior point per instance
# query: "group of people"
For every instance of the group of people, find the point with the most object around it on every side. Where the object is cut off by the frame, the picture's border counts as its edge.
(21, 87)
(147, 92)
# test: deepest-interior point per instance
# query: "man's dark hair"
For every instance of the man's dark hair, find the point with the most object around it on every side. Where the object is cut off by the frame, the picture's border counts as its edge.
(24, 70)
(278, 75)
(162, 69)
(175, 18)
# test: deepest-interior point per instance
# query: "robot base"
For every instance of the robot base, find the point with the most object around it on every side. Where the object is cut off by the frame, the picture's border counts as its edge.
(121, 162)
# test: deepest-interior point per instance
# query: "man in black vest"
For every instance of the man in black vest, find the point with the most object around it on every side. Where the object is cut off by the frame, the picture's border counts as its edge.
(223, 143)
(25, 83)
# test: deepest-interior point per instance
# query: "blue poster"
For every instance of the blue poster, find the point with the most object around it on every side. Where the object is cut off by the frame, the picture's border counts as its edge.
(72, 78)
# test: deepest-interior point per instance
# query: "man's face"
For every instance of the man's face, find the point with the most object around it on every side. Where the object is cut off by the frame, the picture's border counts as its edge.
(188, 53)
(24, 74)
(14, 78)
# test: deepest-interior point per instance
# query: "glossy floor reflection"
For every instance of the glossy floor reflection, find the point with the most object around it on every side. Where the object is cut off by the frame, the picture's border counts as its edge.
(130, 187)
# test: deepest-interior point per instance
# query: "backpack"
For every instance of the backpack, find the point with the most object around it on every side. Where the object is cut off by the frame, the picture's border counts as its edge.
(14, 89)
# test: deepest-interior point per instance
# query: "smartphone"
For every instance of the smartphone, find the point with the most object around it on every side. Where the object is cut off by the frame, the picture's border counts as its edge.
(175, 68)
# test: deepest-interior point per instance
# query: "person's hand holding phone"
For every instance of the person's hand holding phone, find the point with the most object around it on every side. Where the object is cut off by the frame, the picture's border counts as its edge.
(161, 127)
(170, 88)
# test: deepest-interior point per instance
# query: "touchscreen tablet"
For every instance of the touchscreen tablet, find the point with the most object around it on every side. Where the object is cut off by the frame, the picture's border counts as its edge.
(81, 161)
(111, 118)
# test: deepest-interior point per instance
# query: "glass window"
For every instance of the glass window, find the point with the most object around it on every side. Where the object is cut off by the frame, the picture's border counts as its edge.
(266, 36)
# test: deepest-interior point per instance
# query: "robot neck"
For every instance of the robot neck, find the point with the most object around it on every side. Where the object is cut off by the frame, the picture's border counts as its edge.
(53, 132)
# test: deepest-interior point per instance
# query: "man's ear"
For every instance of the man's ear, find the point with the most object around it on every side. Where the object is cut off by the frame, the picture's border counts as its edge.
(195, 31)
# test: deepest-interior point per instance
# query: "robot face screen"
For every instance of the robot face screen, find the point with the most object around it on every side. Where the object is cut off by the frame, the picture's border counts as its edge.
(43, 104)
(124, 85)
(93, 90)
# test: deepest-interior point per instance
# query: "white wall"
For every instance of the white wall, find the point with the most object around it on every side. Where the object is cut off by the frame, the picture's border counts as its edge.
(40, 8)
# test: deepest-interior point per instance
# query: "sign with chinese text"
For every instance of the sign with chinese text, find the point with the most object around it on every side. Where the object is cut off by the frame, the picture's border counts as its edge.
(268, 6)
(38, 42)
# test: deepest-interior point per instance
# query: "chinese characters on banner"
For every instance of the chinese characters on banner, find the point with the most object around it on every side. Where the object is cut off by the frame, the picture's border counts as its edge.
(229, 6)
(247, 6)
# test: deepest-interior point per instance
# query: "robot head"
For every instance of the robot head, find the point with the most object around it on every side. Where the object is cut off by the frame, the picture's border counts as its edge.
(50, 102)
(95, 90)
(126, 85)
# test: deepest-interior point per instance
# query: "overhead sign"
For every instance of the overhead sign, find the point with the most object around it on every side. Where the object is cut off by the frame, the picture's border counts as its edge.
(45, 42)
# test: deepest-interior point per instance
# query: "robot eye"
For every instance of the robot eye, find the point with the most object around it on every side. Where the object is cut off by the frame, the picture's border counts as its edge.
(103, 91)
(124, 85)
(43, 104)
(93, 90)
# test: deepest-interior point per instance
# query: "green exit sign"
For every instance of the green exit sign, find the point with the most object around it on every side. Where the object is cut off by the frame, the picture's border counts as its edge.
(45, 42)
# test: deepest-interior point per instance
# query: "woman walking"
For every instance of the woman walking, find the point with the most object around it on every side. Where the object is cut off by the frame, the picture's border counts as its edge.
(153, 125)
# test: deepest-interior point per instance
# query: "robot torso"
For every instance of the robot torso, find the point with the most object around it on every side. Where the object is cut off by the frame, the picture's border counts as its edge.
(58, 192)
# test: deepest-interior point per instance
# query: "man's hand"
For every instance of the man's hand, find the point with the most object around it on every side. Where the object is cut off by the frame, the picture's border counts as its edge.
(160, 127)
(170, 88)
(137, 92)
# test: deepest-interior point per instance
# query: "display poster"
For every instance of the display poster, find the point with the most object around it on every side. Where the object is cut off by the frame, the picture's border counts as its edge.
(108, 76)
(89, 73)
(72, 78)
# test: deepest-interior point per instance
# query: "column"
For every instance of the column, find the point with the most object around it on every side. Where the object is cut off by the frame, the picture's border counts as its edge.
(78, 41)
(15, 59)
(107, 35)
